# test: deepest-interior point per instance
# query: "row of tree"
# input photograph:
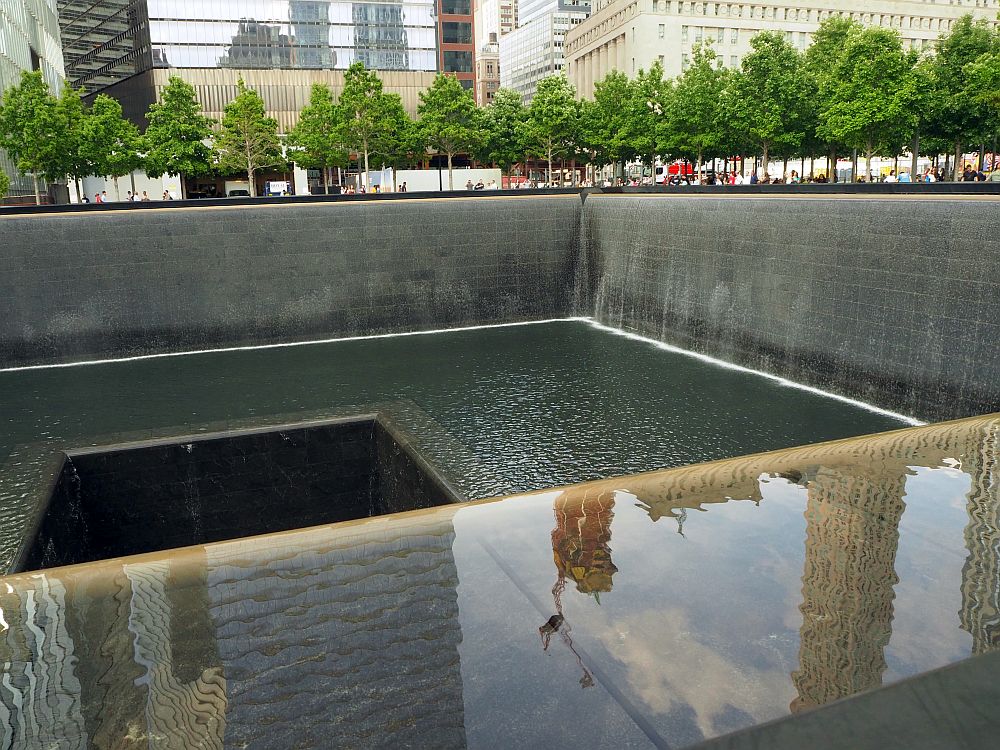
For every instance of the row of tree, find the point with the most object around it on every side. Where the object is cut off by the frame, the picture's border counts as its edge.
(854, 88)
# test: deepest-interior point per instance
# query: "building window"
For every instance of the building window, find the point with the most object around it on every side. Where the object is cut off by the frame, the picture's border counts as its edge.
(456, 32)
(662, 61)
(685, 60)
(732, 61)
(721, 36)
(684, 34)
(457, 61)
(697, 34)
(456, 7)
(734, 36)
(718, 61)
(662, 30)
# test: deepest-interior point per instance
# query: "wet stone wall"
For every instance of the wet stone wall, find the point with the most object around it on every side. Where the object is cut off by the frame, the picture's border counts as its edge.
(102, 284)
(896, 302)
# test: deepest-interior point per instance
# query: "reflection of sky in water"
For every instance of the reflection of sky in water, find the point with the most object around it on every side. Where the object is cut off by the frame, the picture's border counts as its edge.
(700, 633)
(929, 564)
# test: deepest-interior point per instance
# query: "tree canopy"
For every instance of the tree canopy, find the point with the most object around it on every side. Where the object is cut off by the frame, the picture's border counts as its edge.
(176, 138)
(248, 141)
(449, 119)
(109, 143)
(33, 130)
(317, 140)
(553, 120)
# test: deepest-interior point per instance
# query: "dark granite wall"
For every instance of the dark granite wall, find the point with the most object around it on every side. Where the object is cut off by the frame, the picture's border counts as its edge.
(95, 285)
(896, 302)
(127, 500)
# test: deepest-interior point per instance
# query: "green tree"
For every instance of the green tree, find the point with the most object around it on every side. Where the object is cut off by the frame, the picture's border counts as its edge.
(74, 114)
(873, 101)
(956, 117)
(696, 120)
(820, 60)
(367, 113)
(650, 102)
(248, 141)
(449, 119)
(610, 123)
(317, 140)
(766, 102)
(4, 183)
(553, 119)
(110, 143)
(982, 83)
(33, 130)
(400, 143)
(175, 139)
(503, 124)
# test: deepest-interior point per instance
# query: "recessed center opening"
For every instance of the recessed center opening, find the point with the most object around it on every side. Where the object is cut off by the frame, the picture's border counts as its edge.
(149, 497)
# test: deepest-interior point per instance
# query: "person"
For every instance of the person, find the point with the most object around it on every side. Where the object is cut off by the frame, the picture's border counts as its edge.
(85, 199)
(891, 177)
(967, 174)
(929, 175)
(129, 198)
(469, 185)
(145, 197)
(904, 176)
(994, 176)
(104, 196)
(97, 198)
(793, 178)
(402, 188)
(479, 186)
(754, 179)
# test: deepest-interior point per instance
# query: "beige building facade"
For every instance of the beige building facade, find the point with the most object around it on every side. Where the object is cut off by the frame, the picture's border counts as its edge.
(631, 35)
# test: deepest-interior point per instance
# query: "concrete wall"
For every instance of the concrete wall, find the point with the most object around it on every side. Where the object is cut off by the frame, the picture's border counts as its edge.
(128, 282)
(893, 301)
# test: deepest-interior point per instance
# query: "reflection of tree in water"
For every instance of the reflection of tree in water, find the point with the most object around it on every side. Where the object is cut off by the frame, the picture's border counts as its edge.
(582, 553)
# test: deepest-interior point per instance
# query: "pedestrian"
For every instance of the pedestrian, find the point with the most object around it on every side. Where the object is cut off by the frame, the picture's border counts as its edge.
(402, 189)
(145, 197)
(85, 199)
(891, 177)
(130, 197)
(104, 196)
(904, 176)
(97, 198)
(994, 176)
(469, 185)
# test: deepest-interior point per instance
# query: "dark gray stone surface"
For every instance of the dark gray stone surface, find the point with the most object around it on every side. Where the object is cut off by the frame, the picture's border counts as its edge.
(896, 302)
(95, 285)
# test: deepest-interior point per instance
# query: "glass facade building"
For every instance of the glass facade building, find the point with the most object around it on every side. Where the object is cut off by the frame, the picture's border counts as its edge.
(108, 41)
(29, 40)
(534, 50)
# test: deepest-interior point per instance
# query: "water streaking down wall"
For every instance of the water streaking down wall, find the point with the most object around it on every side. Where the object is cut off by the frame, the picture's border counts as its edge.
(894, 302)
(94, 286)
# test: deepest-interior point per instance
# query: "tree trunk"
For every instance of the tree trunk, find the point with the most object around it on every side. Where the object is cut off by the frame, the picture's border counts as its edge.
(868, 165)
(784, 170)
(451, 177)
(253, 183)
(915, 147)
(326, 180)
(549, 152)
(764, 162)
(958, 161)
(38, 194)
(118, 193)
(367, 175)
(572, 166)
(697, 173)
(79, 194)
(183, 187)
(831, 165)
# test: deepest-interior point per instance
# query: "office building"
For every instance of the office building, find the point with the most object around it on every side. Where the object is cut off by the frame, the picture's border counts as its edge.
(456, 40)
(627, 36)
(109, 41)
(534, 50)
(29, 40)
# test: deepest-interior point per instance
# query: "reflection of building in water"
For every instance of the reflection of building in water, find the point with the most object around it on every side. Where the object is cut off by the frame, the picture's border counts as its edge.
(380, 36)
(581, 543)
(980, 614)
(852, 531)
(310, 21)
(582, 553)
(342, 638)
(319, 636)
(258, 45)
(131, 658)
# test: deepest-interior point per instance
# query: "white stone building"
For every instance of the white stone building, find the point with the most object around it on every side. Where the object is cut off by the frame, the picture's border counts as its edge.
(630, 35)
